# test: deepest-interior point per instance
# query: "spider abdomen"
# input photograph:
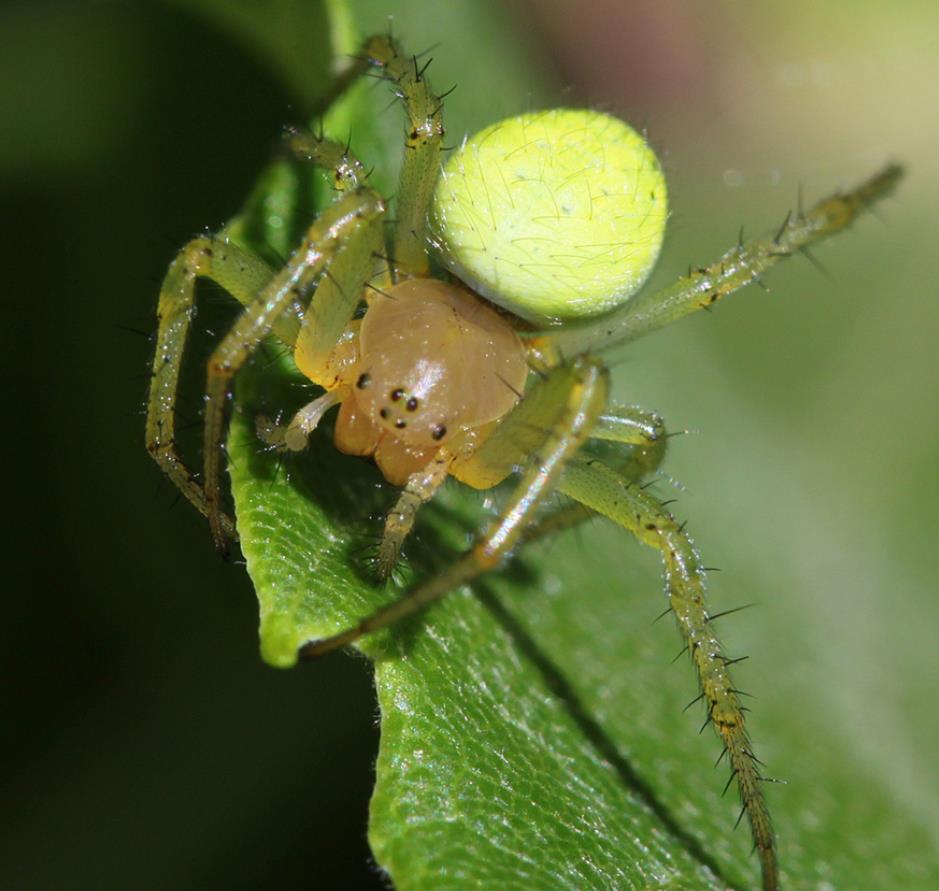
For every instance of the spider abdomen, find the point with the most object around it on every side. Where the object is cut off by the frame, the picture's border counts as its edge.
(434, 360)
(555, 215)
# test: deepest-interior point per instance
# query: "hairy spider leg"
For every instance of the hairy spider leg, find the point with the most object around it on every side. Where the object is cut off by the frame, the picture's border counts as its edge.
(550, 424)
(423, 142)
(423, 145)
(616, 494)
(240, 273)
(243, 275)
(740, 266)
(352, 220)
(591, 483)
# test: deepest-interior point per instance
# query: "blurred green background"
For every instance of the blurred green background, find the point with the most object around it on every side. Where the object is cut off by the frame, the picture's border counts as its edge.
(146, 745)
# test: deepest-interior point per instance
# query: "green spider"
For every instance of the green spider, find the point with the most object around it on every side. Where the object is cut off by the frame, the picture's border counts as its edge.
(548, 225)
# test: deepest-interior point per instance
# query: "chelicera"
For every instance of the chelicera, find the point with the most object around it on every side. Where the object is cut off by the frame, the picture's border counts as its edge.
(547, 224)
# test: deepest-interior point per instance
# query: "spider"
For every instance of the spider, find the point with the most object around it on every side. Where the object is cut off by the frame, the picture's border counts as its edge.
(509, 269)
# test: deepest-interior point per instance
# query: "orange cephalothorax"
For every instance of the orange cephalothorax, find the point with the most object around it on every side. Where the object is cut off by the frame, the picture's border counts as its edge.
(433, 361)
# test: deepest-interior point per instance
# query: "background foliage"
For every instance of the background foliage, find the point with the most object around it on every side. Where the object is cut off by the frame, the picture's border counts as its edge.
(150, 746)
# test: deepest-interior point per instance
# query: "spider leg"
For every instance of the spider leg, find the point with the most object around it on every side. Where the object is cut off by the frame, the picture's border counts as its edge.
(352, 219)
(337, 296)
(630, 425)
(643, 432)
(241, 274)
(423, 144)
(561, 409)
(348, 172)
(740, 266)
(340, 291)
(295, 435)
(601, 489)
(419, 489)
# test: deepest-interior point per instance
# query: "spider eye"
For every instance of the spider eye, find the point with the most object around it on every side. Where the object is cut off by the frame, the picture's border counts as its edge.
(555, 215)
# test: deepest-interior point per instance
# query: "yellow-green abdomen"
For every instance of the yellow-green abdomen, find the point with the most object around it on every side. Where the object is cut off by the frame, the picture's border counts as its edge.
(553, 215)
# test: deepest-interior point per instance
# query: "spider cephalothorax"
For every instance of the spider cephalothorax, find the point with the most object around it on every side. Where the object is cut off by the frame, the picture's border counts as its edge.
(432, 362)
(554, 217)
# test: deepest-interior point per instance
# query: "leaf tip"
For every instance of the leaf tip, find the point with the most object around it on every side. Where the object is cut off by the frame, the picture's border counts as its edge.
(279, 642)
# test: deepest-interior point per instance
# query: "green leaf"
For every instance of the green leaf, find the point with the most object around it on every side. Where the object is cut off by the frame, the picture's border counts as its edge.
(532, 728)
